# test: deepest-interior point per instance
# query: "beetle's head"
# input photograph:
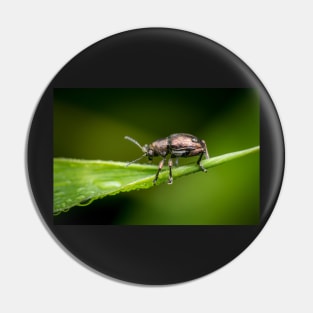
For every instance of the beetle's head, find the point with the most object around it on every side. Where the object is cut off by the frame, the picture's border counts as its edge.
(148, 151)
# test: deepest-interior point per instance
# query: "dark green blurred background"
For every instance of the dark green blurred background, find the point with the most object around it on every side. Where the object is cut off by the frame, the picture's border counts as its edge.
(92, 123)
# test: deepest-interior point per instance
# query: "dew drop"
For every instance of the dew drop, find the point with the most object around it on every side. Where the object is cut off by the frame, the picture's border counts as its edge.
(107, 184)
(85, 202)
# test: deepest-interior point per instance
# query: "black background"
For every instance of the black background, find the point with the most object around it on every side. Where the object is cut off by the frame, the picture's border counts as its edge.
(154, 58)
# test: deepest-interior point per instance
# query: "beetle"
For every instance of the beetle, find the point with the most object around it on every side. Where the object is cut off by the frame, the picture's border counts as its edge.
(175, 145)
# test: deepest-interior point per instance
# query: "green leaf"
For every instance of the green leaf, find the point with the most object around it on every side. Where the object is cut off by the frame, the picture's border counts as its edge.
(79, 182)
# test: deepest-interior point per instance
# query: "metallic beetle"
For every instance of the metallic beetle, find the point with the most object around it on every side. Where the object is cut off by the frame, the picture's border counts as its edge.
(175, 145)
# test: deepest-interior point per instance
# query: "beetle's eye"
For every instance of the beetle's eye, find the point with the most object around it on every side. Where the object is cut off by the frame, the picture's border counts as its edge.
(150, 153)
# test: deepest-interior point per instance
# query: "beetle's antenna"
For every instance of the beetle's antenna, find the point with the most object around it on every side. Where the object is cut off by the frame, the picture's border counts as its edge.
(134, 141)
(137, 144)
(136, 160)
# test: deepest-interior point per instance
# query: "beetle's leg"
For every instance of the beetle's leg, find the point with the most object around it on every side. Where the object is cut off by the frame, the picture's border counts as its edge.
(159, 169)
(198, 162)
(205, 149)
(170, 178)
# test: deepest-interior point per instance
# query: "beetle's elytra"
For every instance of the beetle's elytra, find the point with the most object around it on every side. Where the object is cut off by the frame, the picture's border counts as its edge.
(175, 145)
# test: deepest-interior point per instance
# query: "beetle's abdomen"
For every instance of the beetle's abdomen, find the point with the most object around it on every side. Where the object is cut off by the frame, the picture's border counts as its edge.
(184, 145)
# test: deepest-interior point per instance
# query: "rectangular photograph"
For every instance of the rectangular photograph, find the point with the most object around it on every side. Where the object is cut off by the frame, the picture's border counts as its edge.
(158, 156)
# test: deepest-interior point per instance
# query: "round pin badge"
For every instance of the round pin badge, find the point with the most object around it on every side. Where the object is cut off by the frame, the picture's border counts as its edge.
(155, 156)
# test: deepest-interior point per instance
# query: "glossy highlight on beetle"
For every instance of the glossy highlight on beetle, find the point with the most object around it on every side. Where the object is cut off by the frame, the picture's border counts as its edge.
(175, 145)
